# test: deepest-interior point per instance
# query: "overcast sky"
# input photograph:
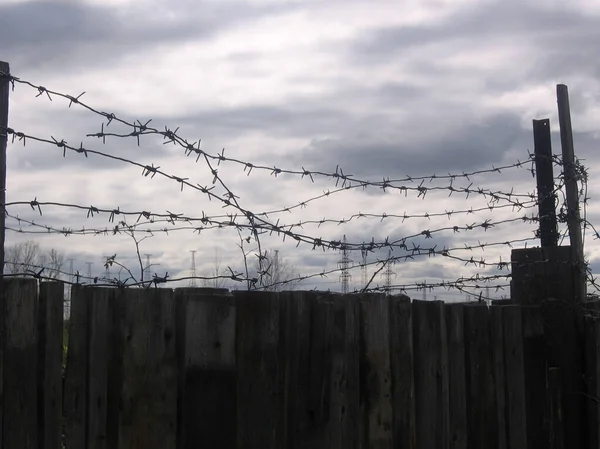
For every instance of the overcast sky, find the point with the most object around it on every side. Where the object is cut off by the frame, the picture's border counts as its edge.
(378, 89)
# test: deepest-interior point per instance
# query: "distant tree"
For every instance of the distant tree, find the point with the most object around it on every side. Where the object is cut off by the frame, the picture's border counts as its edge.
(26, 257)
(277, 273)
(216, 281)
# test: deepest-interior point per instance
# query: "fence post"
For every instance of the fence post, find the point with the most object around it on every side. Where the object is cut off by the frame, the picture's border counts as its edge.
(545, 182)
(573, 218)
(4, 89)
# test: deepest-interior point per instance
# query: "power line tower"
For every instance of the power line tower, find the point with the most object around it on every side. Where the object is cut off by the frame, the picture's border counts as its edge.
(193, 268)
(147, 267)
(344, 265)
(388, 274)
(363, 268)
(89, 271)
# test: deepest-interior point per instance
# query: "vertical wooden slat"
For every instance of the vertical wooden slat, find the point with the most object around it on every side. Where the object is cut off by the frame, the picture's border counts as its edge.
(20, 365)
(592, 368)
(458, 431)
(401, 357)
(209, 388)
(50, 364)
(149, 393)
(115, 367)
(75, 395)
(261, 420)
(3, 290)
(497, 341)
(482, 409)
(565, 343)
(98, 362)
(556, 411)
(297, 307)
(375, 329)
(535, 356)
(344, 414)
(431, 375)
(516, 406)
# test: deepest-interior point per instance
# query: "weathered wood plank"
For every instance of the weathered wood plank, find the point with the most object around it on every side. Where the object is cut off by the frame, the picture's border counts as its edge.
(209, 378)
(556, 410)
(375, 331)
(535, 357)
(98, 363)
(261, 371)
(115, 367)
(149, 393)
(401, 356)
(75, 395)
(516, 406)
(542, 273)
(20, 420)
(497, 345)
(591, 313)
(565, 351)
(344, 416)
(431, 374)
(458, 430)
(482, 412)
(296, 326)
(50, 364)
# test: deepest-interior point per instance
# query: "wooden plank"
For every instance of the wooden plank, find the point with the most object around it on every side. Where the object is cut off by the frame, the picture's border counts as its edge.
(458, 430)
(209, 389)
(261, 406)
(565, 351)
(482, 412)
(497, 340)
(296, 315)
(149, 393)
(431, 374)
(98, 361)
(401, 359)
(375, 331)
(516, 407)
(535, 357)
(344, 420)
(50, 328)
(20, 426)
(541, 273)
(75, 394)
(3, 291)
(592, 371)
(115, 367)
(556, 409)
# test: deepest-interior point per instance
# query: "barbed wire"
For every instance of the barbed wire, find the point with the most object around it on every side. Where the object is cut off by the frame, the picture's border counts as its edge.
(259, 224)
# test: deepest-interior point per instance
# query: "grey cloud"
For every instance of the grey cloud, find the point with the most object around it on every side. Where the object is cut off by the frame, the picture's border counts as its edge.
(58, 34)
(469, 147)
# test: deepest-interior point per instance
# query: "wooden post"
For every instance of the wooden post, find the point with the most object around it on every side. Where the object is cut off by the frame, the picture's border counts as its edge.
(572, 193)
(548, 232)
(4, 89)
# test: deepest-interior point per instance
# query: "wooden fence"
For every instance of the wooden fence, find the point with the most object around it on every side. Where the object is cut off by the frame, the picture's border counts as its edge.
(201, 368)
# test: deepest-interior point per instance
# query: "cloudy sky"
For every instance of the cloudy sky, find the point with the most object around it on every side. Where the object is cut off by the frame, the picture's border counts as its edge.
(381, 90)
